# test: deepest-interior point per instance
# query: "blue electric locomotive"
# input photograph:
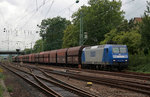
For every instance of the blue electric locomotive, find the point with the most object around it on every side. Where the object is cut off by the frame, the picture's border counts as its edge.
(105, 56)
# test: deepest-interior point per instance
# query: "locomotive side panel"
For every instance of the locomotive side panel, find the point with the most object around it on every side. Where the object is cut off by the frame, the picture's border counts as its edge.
(93, 55)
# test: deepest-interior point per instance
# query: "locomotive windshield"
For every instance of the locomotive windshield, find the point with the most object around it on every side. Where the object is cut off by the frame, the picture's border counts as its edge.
(123, 50)
(115, 50)
(119, 50)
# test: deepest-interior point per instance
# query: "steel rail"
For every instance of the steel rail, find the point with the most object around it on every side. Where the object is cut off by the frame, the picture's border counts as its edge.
(109, 82)
(48, 70)
(77, 90)
(71, 88)
(140, 76)
(31, 82)
(44, 86)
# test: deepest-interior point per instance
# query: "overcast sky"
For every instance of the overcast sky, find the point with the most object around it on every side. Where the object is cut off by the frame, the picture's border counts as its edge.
(20, 18)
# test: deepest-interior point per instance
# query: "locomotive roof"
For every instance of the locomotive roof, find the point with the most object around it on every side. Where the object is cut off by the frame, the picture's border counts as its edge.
(102, 46)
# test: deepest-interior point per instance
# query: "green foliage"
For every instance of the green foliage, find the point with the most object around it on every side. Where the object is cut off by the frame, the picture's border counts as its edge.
(144, 28)
(98, 19)
(71, 36)
(131, 39)
(51, 30)
(9, 89)
(127, 34)
(27, 51)
(38, 46)
(1, 91)
(140, 63)
(1, 76)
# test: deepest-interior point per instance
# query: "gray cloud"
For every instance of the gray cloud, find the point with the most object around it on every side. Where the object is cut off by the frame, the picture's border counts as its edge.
(20, 18)
(134, 8)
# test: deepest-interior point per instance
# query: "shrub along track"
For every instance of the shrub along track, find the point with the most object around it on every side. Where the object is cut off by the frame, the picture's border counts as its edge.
(123, 84)
(53, 87)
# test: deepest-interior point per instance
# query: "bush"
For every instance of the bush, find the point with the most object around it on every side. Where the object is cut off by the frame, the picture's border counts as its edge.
(139, 63)
(1, 76)
(1, 91)
(9, 89)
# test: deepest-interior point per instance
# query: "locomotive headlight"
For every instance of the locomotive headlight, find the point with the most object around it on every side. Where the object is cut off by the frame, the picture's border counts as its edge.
(126, 60)
(114, 60)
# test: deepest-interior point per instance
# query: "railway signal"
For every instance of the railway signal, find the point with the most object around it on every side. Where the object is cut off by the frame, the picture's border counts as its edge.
(77, 1)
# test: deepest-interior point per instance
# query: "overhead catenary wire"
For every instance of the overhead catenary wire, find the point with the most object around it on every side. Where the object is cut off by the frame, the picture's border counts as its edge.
(34, 11)
(137, 9)
(66, 8)
(44, 2)
(20, 18)
(49, 8)
(128, 2)
(69, 9)
(36, 5)
(3, 19)
(28, 14)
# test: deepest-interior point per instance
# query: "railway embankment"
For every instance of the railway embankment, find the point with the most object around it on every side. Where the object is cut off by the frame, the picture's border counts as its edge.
(13, 86)
(3, 89)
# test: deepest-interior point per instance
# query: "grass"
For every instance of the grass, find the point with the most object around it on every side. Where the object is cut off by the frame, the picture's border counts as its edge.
(1, 76)
(9, 89)
(1, 88)
(1, 91)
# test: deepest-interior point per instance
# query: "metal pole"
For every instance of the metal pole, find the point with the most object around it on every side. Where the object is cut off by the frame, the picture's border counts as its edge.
(81, 29)
(82, 34)
(31, 47)
(42, 45)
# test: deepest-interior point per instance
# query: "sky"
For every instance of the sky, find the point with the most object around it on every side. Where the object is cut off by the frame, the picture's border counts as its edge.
(20, 18)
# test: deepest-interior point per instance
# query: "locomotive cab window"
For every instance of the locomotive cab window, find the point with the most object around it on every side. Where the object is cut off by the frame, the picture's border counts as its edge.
(123, 50)
(115, 50)
(119, 50)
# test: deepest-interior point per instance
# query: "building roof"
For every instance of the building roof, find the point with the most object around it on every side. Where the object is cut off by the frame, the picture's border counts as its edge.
(137, 19)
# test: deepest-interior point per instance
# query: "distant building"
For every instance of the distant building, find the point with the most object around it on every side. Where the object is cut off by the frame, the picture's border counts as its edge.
(137, 20)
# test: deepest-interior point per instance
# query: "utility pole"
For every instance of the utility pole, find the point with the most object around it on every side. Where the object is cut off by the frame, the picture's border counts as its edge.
(43, 43)
(81, 36)
(7, 33)
(25, 50)
(17, 54)
(81, 29)
(31, 47)
(8, 40)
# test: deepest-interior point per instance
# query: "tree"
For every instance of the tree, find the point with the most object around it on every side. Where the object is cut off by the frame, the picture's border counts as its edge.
(145, 29)
(38, 46)
(98, 19)
(27, 51)
(51, 31)
(127, 34)
(71, 36)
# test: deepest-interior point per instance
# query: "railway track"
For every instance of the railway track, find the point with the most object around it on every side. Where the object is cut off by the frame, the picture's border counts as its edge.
(32, 82)
(134, 75)
(123, 84)
(53, 86)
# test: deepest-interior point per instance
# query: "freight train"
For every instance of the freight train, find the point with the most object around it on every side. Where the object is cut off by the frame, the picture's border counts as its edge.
(98, 57)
